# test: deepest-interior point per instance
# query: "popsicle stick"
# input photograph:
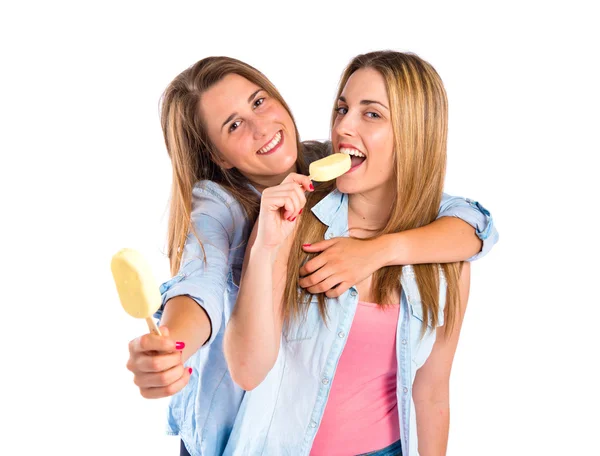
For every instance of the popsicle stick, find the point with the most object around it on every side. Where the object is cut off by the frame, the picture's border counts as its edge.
(152, 326)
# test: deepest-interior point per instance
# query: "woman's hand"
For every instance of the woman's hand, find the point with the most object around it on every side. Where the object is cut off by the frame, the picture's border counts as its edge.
(157, 365)
(279, 207)
(342, 263)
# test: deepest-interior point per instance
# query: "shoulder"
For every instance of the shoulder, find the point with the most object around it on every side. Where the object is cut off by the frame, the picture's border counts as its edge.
(206, 191)
(210, 199)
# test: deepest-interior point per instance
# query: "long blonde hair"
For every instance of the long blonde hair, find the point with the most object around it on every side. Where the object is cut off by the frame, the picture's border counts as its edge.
(193, 156)
(419, 117)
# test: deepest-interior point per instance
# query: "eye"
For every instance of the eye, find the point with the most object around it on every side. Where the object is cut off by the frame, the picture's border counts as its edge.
(373, 115)
(341, 110)
(234, 126)
(258, 102)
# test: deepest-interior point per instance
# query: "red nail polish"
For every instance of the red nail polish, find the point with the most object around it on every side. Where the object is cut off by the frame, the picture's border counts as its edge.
(312, 187)
(190, 370)
(300, 211)
(291, 220)
(179, 345)
(306, 245)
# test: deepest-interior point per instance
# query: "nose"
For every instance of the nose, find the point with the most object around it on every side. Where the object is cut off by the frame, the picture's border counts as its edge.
(345, 126)
(259, 128)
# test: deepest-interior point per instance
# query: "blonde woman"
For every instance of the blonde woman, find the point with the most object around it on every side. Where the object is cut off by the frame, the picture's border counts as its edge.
(367, 372)
(230, 135)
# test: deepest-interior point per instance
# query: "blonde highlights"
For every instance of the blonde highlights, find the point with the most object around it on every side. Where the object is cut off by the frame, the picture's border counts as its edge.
(419, 118)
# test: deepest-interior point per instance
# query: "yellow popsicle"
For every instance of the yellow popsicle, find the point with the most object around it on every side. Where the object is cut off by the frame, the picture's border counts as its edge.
(138, 292)
(329, 168)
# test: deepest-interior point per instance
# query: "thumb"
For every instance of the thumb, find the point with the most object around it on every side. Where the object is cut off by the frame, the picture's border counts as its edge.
(164, 331)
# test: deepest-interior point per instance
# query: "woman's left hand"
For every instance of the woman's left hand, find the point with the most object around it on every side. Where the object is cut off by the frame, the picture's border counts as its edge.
(342, 263)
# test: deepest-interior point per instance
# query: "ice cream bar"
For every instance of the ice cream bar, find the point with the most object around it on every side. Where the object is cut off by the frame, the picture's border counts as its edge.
(330, 167)
(138, 292)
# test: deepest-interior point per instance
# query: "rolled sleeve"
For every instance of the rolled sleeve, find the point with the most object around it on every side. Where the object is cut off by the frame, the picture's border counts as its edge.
(204, 268)
(474, 214)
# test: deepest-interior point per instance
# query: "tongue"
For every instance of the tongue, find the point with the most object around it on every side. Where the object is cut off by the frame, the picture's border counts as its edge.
(356, 160)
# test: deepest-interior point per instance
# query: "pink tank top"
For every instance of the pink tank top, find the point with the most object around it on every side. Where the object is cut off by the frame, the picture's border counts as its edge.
(361, 414)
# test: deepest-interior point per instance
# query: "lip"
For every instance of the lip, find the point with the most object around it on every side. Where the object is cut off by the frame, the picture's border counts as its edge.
(274, 149)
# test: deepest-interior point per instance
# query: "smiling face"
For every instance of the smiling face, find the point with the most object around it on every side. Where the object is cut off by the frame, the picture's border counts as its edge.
(252, 130)
(363, 129)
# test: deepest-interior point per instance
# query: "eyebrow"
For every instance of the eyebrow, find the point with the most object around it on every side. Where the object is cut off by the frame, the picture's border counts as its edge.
(230, 118)
(365, 102)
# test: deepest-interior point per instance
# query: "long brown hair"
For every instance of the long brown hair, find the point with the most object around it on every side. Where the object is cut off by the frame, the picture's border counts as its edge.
(419, 117)
(193, 156)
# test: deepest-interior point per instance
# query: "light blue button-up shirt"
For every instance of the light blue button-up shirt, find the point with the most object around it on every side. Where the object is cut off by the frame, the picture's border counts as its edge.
(282, 415)
(203, 413)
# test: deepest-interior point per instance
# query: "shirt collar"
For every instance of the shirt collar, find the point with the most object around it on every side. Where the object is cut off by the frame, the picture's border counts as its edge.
(333, 212)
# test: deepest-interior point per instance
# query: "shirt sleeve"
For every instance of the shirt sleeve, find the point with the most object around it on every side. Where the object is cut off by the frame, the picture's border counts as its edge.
(204, 267)
(475, 215)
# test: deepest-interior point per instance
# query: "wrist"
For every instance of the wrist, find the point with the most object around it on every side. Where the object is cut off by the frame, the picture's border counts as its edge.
(264, 252)
(391, 250)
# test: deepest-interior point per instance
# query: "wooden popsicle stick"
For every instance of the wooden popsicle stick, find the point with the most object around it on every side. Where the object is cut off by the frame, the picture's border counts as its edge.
(152, 326)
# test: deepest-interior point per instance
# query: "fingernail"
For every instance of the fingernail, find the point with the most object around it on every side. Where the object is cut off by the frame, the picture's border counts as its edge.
(312, 187)
(179, 345)
(306, 245)
(190, 370)
(300, 211)
(291, 220)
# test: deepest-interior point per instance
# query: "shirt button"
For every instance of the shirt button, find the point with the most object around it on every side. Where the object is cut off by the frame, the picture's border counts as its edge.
(341, 334)
(353, 293)
(325, 381)
(403, 341)
(329, 235)
(313, 424)
(405, 389)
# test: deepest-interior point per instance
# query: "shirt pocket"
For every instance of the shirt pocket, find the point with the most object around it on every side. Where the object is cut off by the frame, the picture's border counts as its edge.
(306, 326)
(421, 344)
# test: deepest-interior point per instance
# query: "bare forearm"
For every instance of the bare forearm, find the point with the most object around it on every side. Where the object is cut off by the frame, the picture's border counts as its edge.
(187, 322)
(251, 339)
(446, 240)
(433, 422)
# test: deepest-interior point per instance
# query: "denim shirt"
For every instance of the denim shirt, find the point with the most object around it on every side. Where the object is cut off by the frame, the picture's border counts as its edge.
(281, 416)
(203, 413)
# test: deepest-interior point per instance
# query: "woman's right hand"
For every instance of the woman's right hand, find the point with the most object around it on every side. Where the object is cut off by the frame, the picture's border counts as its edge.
(157, 365)
(279, 207)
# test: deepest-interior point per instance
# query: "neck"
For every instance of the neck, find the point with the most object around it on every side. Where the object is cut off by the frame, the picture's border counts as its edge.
(263, 182)
(370, 211)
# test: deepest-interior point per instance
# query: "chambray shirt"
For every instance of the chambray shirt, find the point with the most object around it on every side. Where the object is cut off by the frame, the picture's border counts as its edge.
(282, 415)
(204, 412)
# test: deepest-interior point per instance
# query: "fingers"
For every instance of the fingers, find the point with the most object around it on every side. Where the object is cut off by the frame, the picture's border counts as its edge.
(319, 246)
(323, 286)
(152, 342)
(160, 379)
(146, 363)
(336, 292)
(168, 390)
(300, 179)
(288, 196)
(316, 277)
(313, 265)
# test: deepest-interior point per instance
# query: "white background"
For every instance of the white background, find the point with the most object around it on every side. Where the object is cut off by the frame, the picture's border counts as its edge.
(84, 172)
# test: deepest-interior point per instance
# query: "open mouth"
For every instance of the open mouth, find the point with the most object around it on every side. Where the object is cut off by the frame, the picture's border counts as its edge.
(356, 156)
(272, 146)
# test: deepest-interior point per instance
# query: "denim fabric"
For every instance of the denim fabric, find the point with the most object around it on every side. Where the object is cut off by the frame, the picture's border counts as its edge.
(281, 416)
(203, 413)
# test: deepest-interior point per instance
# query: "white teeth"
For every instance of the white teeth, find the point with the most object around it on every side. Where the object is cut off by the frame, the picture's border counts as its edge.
(354, 152)
(272, 144)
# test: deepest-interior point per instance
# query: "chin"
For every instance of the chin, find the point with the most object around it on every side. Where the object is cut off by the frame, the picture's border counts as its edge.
(348, 185)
